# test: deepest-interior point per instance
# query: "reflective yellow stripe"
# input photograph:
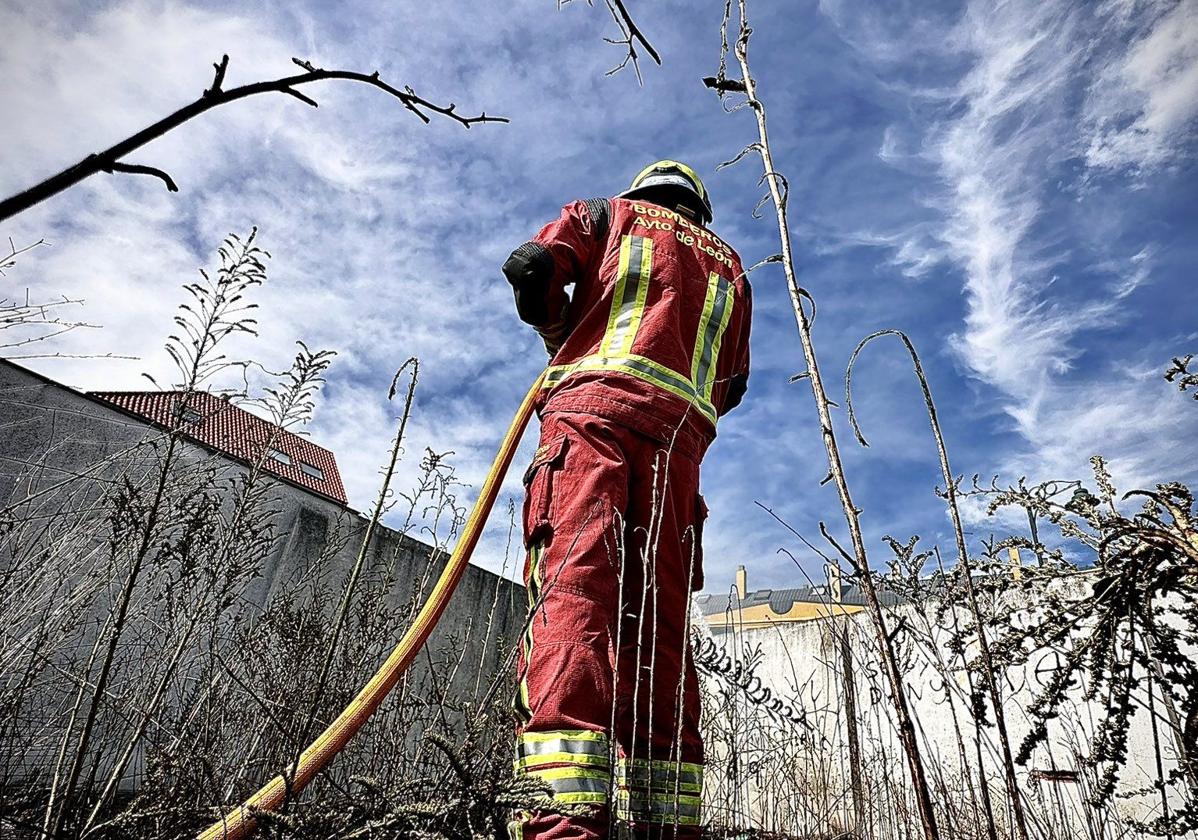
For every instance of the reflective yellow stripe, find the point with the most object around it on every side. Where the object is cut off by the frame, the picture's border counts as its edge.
(530, 762)
(557, 774)
(574, 784)
(668, 810)
(701, 344)
(523, 707)
(581, 798)
(629, 295)
(717, 309)
(642, 294)
(555, 734)
(659, 776)
(640, 367)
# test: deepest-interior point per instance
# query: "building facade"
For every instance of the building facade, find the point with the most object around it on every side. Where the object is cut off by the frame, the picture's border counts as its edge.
(78, 475)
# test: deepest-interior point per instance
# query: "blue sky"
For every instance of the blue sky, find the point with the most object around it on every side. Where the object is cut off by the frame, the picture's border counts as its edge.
(1010, 183)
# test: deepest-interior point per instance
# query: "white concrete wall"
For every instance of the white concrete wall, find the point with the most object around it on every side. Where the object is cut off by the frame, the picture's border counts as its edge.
(782, 776)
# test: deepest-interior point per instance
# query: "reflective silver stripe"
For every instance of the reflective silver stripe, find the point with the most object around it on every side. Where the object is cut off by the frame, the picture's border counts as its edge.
(578, 784)
(711, 333)
(632, 288)
(562, 745)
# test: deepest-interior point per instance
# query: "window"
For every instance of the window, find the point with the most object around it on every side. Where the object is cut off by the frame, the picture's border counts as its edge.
(278, 455)
(312, 470)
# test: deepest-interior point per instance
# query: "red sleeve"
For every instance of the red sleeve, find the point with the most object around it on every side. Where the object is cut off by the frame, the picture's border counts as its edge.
(574, 242)
(741, 368)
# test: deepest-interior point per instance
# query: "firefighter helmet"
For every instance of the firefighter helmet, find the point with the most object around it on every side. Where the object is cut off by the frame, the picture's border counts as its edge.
(675, 175)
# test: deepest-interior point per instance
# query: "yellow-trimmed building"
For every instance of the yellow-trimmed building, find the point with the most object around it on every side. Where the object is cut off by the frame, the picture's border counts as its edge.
(741, 608)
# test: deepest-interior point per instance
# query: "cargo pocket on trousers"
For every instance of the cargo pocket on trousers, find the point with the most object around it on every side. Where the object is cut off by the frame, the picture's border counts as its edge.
(538, 490)
(697, 560)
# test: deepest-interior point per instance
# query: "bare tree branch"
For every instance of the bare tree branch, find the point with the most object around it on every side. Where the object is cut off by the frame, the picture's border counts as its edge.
(109, 159)
(138, 169)
(10, 259)
(630, 34)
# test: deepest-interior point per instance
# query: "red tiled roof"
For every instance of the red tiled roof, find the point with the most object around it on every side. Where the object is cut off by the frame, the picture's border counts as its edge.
(234, 431)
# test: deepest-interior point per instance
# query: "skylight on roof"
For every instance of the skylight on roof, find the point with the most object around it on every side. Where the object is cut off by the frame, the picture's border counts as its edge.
(312, 470)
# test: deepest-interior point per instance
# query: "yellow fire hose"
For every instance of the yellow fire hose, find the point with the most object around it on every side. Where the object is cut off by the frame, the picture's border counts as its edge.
(239, 822)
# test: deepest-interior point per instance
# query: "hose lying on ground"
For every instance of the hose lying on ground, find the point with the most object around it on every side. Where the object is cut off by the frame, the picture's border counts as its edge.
(239, 822)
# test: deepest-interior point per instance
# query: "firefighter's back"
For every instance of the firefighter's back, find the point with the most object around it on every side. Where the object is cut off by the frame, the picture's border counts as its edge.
(655, 325)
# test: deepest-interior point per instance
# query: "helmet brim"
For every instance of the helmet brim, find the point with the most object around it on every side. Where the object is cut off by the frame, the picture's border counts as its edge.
(668, 182)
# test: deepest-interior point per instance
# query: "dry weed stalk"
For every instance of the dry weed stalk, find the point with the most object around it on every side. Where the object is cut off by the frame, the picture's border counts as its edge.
(778, 194)
(989, 675)
(140, 519)
(166, 678)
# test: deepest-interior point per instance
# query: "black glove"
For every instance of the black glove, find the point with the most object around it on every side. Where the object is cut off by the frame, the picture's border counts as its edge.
(529, 270)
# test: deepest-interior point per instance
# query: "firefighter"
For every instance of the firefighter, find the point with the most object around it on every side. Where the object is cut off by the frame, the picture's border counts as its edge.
(646, 353)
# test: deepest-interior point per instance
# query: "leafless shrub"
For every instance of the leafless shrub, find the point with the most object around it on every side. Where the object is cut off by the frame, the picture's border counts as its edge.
(1126, 632)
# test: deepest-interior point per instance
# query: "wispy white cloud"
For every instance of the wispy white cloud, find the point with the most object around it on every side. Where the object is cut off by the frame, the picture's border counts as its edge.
(992, 160)
(1000, 144)
(1142, 106)
(915, 249)
(997, 159)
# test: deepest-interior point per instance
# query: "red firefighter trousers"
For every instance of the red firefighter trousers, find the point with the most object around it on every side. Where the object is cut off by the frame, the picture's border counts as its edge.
(608, 696)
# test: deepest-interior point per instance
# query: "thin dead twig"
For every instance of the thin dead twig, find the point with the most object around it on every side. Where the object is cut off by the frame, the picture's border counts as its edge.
(10, 259)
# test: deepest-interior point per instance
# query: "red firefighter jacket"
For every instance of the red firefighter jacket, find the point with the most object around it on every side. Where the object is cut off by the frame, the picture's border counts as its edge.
(655, 335)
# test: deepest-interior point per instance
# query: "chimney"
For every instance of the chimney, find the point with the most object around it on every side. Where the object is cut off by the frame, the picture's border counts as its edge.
(1016, 562)
(834, 590)
(741, 583)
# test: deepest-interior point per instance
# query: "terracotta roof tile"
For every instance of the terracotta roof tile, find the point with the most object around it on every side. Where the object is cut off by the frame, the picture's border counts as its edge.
(234, 431)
